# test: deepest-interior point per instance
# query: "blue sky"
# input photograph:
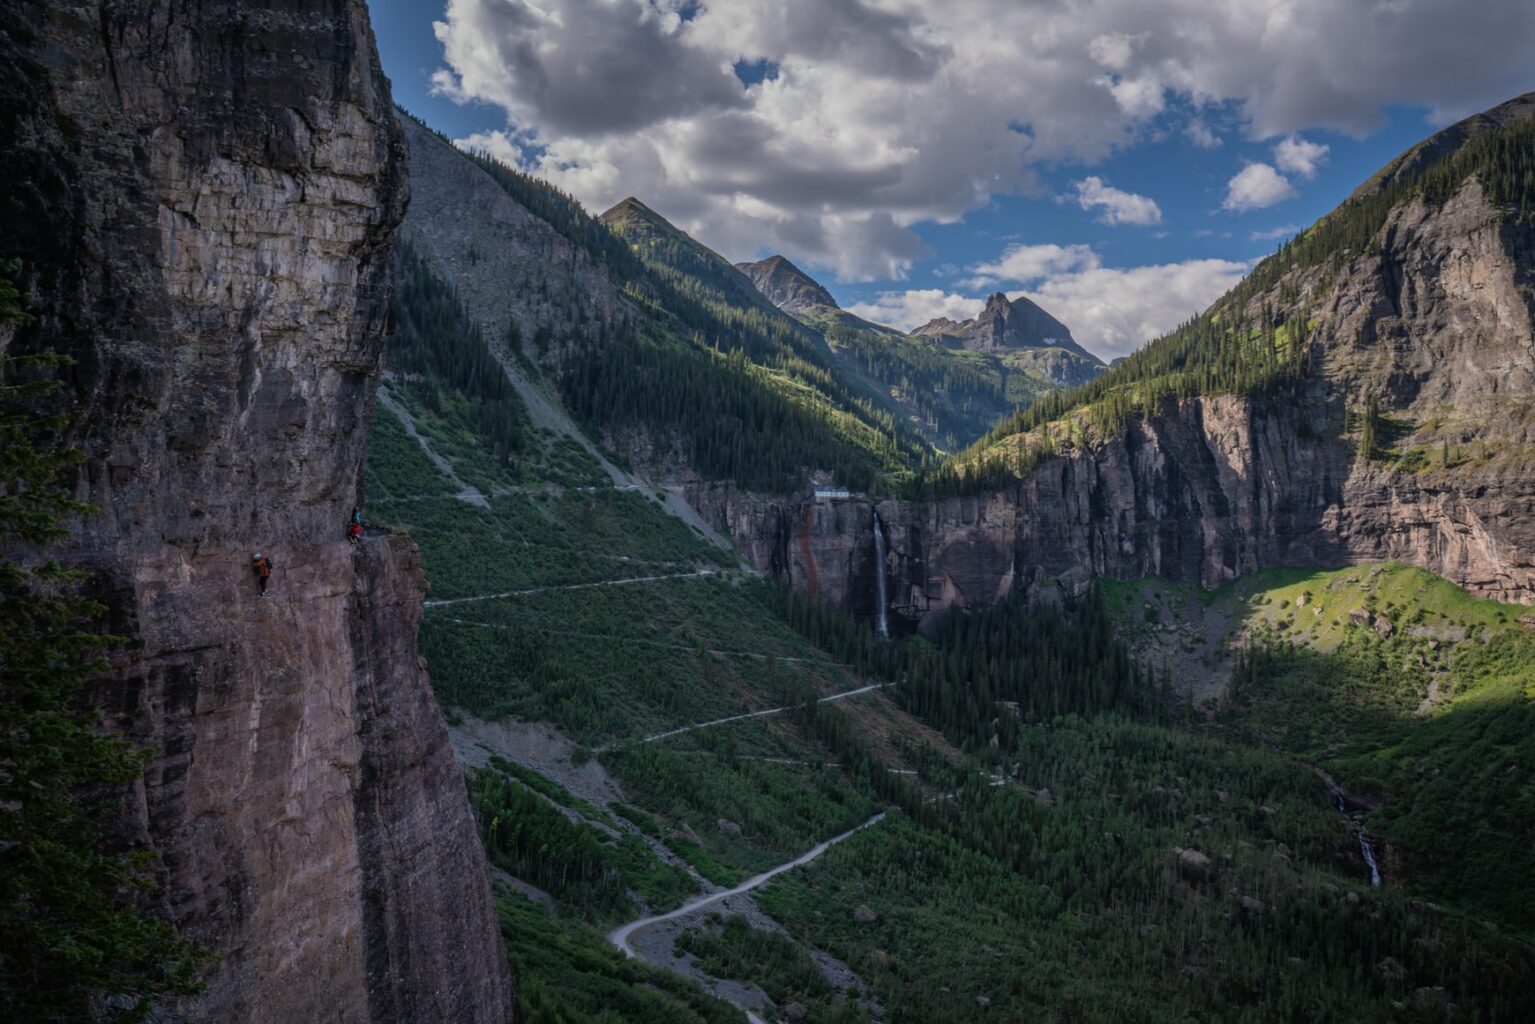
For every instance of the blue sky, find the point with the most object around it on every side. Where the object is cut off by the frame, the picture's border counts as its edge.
(915, 156)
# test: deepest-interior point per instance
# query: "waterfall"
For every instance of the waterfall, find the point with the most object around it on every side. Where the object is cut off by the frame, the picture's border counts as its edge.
(1366, 849)
(1369, 858)
(881, 617)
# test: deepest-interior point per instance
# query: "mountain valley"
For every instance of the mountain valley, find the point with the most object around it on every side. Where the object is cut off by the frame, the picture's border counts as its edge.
(697, 651)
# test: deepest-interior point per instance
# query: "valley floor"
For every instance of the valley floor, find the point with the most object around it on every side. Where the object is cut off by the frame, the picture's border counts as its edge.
(671, 758)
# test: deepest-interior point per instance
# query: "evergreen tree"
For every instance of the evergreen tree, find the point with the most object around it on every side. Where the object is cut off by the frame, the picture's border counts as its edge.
(77, 946)
(1369, 428)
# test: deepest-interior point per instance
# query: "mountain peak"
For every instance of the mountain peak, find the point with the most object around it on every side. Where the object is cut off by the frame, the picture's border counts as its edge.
(1446, 142)
(630, 210)
(787, 286)
(1006, 324)
(631, 203)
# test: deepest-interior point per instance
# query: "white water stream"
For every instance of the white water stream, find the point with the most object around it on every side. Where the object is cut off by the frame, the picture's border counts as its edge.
(881, 616)
(1366, 849)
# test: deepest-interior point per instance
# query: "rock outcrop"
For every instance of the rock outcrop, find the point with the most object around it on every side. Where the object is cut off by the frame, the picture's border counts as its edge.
(1435, 320)
(203, 199)
(788, 287)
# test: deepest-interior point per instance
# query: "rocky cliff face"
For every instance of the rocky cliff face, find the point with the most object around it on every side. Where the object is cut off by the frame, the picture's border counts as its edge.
(507, 264)
(787, 286)
(1434, 319)
(203, 197)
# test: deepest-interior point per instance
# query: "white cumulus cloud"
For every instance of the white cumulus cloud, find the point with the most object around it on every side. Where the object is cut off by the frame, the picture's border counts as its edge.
(917, 306)
(1114, 311)
(1020, 263)
(1118, 206)
(1200, 135)
(883, 115)
(1111, 310)
(1298, 156)
(1113, 50)
(1256, 186)
(1276, 233)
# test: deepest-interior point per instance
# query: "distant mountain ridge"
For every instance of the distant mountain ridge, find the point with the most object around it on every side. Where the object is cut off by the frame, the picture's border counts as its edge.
(955, 377)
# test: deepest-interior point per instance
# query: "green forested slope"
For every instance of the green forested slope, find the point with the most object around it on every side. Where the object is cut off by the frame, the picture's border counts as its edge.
(1416, 697)
(1032, 861)
(703, 360)
(954, 394)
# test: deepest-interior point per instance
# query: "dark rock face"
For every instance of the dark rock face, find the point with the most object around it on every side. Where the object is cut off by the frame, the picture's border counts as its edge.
(787, 286)
(1436, 321)
(523, 273)
(203, 197)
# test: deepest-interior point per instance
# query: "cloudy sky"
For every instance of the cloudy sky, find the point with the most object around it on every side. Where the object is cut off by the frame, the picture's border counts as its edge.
(1122, 162)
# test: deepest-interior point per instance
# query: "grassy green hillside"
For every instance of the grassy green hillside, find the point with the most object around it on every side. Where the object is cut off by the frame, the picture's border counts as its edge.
(1034, 860)
(1418, 698)
(564, 597)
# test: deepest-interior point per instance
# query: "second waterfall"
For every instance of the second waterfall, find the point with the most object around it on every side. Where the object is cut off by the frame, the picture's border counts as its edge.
(881, 615)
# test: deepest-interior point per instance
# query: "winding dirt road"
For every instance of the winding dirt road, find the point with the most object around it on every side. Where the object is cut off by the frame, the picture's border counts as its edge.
(620, 936)
(570, 586)
(762, 714)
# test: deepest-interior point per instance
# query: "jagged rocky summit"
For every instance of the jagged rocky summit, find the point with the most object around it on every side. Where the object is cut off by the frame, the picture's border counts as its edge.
(1003, 324)
(203, 201)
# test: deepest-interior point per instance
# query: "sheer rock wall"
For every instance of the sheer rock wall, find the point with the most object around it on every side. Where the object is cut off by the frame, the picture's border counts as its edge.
(203, 195)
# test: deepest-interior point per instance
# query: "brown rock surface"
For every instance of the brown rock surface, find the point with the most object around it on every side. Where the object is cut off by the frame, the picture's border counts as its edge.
(203, 198)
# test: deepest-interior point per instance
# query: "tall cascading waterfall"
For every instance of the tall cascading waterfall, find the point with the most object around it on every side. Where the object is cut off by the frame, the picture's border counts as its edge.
(881, 614)
(1369, 858)
(1366, 848)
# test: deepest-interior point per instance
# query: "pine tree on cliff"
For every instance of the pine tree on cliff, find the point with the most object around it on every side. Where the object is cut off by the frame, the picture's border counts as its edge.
(75, 946)
(1369, 429)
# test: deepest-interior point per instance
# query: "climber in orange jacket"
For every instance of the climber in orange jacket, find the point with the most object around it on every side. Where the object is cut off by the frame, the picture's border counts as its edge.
(262, 566)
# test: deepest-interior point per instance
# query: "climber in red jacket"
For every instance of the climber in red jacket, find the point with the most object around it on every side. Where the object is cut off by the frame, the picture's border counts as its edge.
(263, 569)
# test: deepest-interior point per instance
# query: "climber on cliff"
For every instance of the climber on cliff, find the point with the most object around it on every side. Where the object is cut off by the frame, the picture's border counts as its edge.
(262, 565)
(354, 528)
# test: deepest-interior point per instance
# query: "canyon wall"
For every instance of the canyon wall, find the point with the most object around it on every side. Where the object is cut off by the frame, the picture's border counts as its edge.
(202, 195)
(1434, 321)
